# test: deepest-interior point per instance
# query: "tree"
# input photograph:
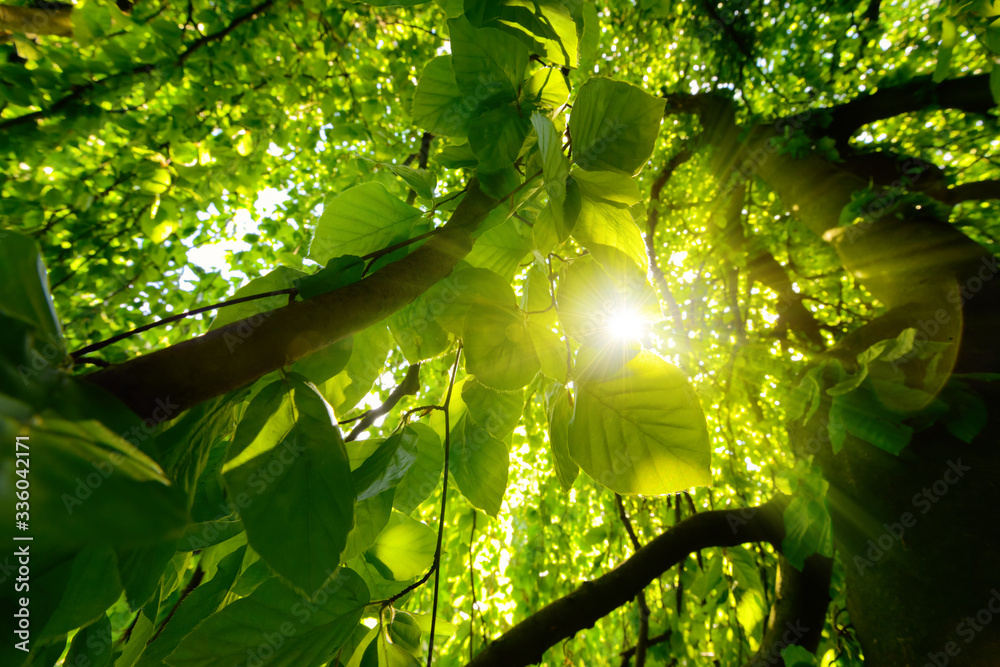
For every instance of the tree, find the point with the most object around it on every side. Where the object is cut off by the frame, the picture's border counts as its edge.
(498, 333)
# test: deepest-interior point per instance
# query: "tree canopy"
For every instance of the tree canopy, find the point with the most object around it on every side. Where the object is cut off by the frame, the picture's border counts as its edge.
(499, 332)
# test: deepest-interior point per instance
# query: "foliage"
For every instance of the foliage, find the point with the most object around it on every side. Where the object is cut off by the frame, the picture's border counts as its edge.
(173, 157)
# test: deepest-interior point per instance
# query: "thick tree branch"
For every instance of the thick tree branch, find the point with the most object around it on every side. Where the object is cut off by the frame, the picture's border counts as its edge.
(799, 610)
(970, 94)
(33, 21)
(237, 354)
(527, 641)
(974, 191)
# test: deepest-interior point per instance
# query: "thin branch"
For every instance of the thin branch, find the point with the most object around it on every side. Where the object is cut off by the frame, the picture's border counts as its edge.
(472, 587)
(173, 318)
(444, 492)
(196, 578)
(652, 220)
(408, 387)
(444, 499)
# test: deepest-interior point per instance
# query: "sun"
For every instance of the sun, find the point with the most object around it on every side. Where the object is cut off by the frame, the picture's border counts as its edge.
(625, 323)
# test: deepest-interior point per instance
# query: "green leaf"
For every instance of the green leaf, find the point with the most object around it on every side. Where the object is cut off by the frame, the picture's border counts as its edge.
(609, 233)
(424, 474)
(592, 303)
(614, 126)
(338, 272)
(300, 491)
(995, 84)
(479, 463)
(641, 430)
(420, 181)
(456, 157)
(555, 165)
(323, 364)
(502, 248)
(92, 645)
(497, 411)
(201, 603)
(489, 64)
(590, 35)
(90, 486)
(438, 106)
(545, 26)
(865, 417)
(559, 413)
(74, 593)
(498, 349)
(496, 137)
(417, 332)
(608, 187)
(553, 357)
(26, 287)
(545, 89)
(796, 656)
(319, 627)
(750, 611)
(452, 297)
(281, 278)
(404, 631)
(807, 530)
(387, 465)
(371, 516)
(370, 349)
(405, 548)
(482, 12)
(361, 220)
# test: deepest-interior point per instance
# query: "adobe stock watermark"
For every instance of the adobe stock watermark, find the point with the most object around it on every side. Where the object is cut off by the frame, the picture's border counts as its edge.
(792, 634)
(924, 500)
(303, 611)
(459, 115)
(968, 629)
(608, 132)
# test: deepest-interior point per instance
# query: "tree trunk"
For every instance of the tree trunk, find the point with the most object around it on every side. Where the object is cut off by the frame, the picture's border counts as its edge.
(915, 532)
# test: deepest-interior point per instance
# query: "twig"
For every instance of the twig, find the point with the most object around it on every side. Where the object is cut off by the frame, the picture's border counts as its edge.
(408, 387)
(173, 318)
(444, 500)
(444, 494)
(196, 578)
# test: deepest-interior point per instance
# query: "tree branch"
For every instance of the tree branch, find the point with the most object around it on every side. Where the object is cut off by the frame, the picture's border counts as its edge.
(235, 355)
(976, 190)
(527, 641)
(652, 220)
(970, 94)
(408, 387)
(799, 610)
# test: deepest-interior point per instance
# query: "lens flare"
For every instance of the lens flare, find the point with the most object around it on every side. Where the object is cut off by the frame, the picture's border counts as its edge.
(626, 323)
